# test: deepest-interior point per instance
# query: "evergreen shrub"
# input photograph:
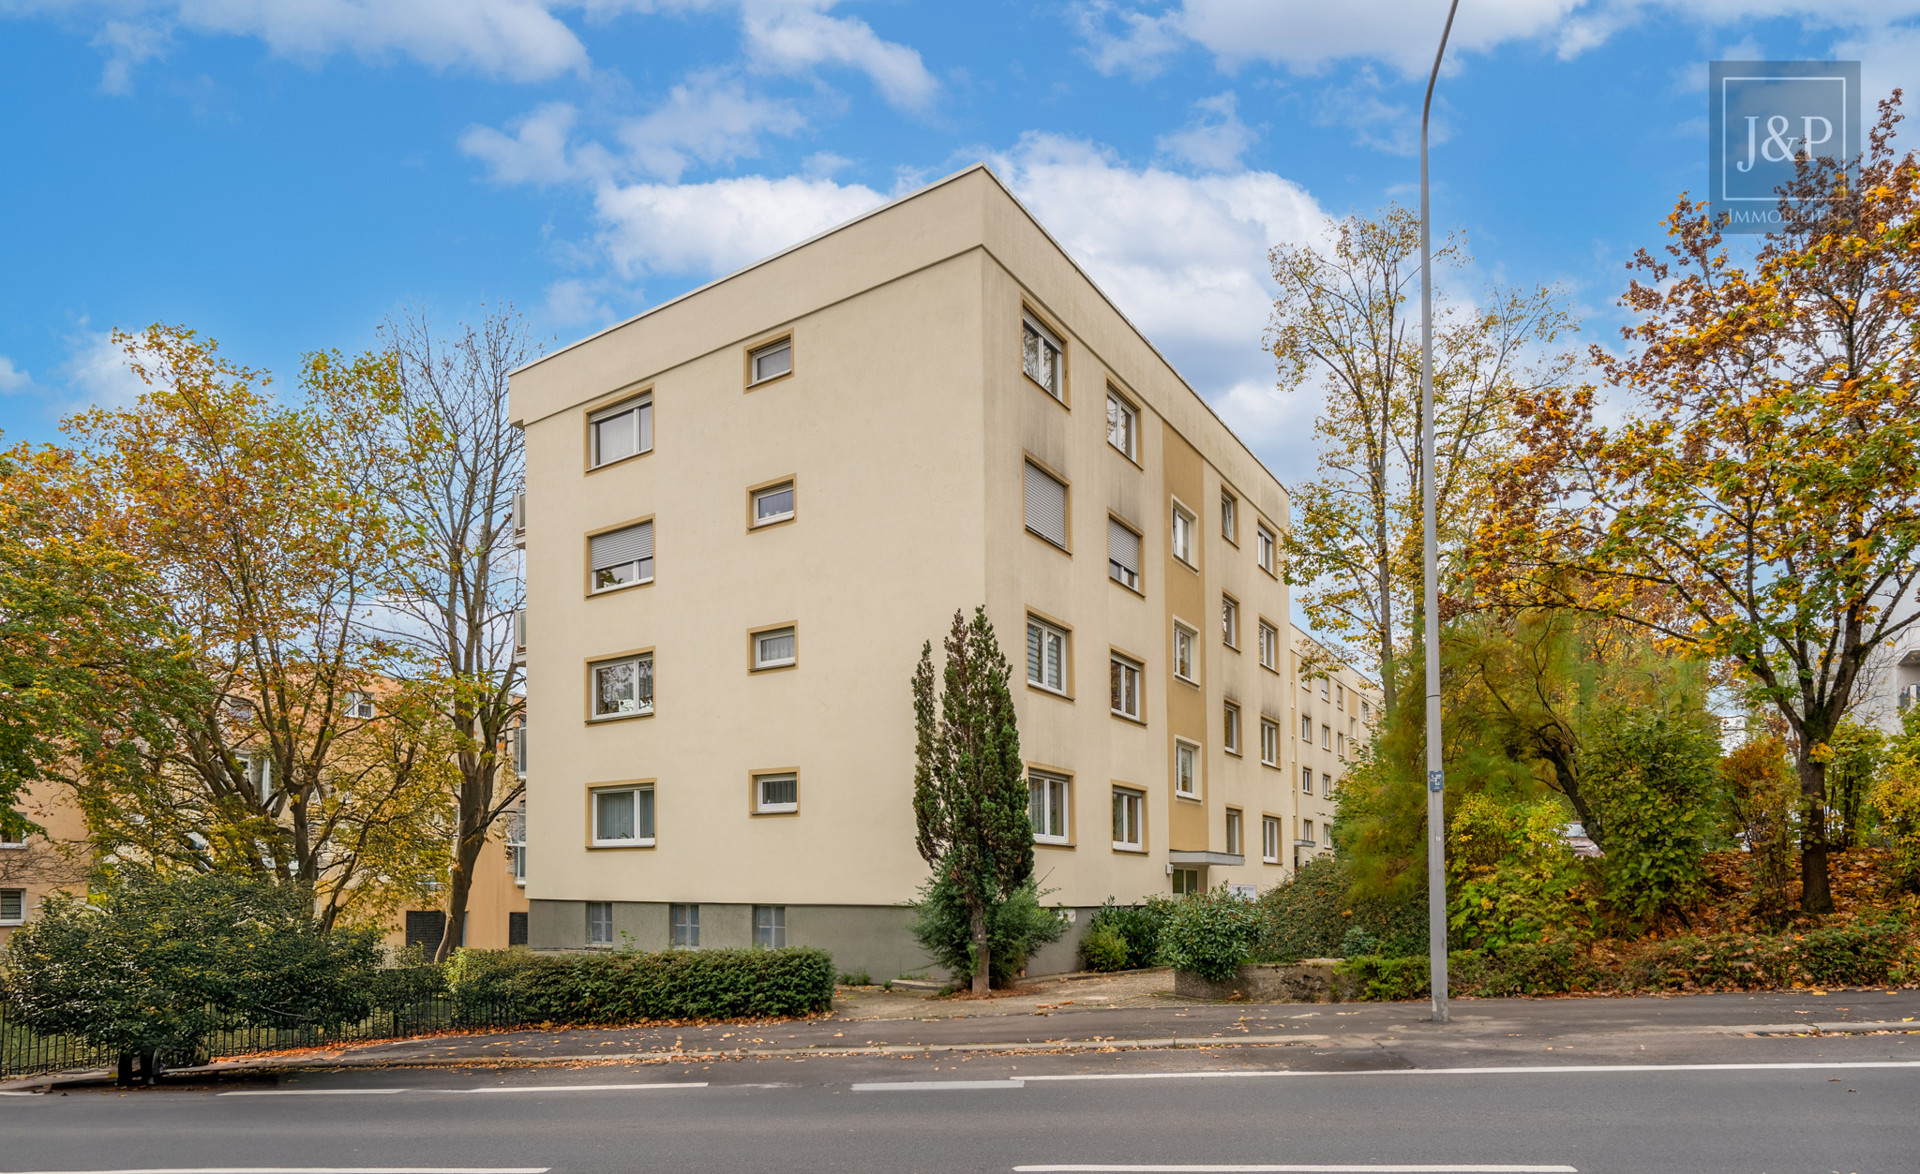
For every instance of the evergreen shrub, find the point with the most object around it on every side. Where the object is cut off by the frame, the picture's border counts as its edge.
(627, 986)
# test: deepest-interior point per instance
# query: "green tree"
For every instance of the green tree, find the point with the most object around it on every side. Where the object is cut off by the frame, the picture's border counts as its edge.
(1760, 800)
(1653, 774)
(159, 963)
(969, 785)
(1764, 484)
(1854, 756)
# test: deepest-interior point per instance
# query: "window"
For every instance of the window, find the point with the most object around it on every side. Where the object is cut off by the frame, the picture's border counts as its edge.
(358, 705)
(1128, 807)
(1306, 780)
(1326, 737)
(1186, 769)
(1230, 621)
(1046, 656)
(623, 817)
(769, 926)
(1040, 355)
(1366, 711)
(1269, 742)
(520, 749)
(774, 794)
(775, 649)
(1183, 535)
(1123, 425)
(1340, 744)
(773, 504)
(599, 923)
(1228, 520)
(12, 834)
(1324, 685)
(622, 556)
(1186, 881)
(1123, 555)
(1306, 832)
(1339, 696)
(624, 687)
(1264, 548)
(1046, 506)
(1270, 839)
(621, 431)
(517, 853)
(1306, 728)
(1124, 685)
(1183, 653)
(1047, 807)
(1326, 832)
(685, 920)
(13, 906)
(1269, 646)
(259, 765)
(1326, 786)
(770, 361)
(1233, 832)
(1230, 732)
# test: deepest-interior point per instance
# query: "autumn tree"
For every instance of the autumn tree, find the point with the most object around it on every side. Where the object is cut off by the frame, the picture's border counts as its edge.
(969, 785)
(1765, 479)
(1340, 325)
(453, 582)
(262, 529)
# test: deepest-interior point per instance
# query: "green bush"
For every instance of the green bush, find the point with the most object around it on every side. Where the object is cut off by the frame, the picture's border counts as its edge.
(1104, 949)
(1209, 934)
(1311, 916)
(1856, 955)
(1510, 876)
(1015, 929)
(1138, 926)
(1385, 979)
(1720, 961)
(629, 986)
(1653, 776)
(1358, 942)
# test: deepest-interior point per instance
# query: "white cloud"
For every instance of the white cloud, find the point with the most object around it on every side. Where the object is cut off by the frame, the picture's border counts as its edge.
(1140, 48)
(715, 227)
(1215, 138)
(705, 119)
(536, 152)
(793, 37)
(127, 44)
(1385, 126)
(96, 374)
(12, 378)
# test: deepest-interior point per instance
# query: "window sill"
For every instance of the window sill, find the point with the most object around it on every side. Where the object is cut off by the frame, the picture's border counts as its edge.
(1129, 457)
(1058, 399)
(617, 845)
(1050, 542)
(604, 718)
(1057, 694)
(770, 523)
(1040, 843)
(1269, 860)
(757, 384)
(592, 469)
(1185, 797)
(1131, 849)
(1186, 680)
(1126, 588)
(1271, 669)
(792, 810)
(596, 592)
(1232, 751)
(1184, 563)
(775, 668)
(1126, 717)
(1271, 575)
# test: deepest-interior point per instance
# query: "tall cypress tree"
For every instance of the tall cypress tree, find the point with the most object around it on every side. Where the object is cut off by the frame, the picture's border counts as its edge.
(969, 788)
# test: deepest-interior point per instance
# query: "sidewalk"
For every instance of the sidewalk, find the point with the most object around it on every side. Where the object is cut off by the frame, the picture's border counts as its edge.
(1481, 1030)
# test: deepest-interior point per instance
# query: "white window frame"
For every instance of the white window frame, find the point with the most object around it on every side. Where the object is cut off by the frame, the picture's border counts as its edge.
(1229, 620)
(1043, 638)
(1270, 839)
(761, 494)
(358, 705)
(1230, 727)
(592, 908)
(1326, 785)
(1129, 673)
(1306, 728)
(1326, 736)
(22, 918)
(641, 407)
(1265, 546)
(1186, 769)
(767, 351)
(1118, 405)
(1050, 804)
(1306, 832)
(1180, 536)
(1269, 741)
(1339, 744)
(1306, 780)
(1229, 517)
(1117, 571)
(1269, 646)
(642, 707)
(761, 661)
(1235, 831)
(1066, 506)
(1047, 339)
(1186, 653)
(760, 804)
(1339, 695)
(769, 927)
(634, 841)
(687, 927)
(642, 567)
(1130, 816)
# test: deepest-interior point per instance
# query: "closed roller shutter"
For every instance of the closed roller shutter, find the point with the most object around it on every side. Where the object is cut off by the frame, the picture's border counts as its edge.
(1046, 506)
(1123, 547)
(623, 546)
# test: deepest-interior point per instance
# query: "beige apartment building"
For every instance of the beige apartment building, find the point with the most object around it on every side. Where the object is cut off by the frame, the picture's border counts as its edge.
(747, 509)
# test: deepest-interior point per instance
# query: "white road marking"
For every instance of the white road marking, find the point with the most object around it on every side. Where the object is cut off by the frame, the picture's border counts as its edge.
(307, 1170)
(936, 1085)
(1300, 1169)
(576, 1087)
(1218, 1074)
(313, 1092)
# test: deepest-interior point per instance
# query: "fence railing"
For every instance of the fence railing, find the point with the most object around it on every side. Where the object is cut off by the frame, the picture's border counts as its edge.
(24, 1052)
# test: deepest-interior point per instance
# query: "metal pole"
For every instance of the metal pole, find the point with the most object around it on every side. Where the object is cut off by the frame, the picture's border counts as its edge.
(1436, 775)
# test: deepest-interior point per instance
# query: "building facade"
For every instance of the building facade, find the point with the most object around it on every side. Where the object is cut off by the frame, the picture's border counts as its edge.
(747, 510)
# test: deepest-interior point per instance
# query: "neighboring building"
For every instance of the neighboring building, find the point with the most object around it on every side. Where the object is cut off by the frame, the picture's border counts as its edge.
(496, 902)
(1333, 716)
(1891, 683)
(748, 508)
(34, 866)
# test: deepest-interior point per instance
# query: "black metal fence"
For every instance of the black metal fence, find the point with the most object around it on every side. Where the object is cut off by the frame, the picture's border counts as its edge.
(24, 1052)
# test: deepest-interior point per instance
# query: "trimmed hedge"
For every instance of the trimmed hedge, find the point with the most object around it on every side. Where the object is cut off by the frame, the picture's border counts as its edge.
(1858, 955)
(626, 986)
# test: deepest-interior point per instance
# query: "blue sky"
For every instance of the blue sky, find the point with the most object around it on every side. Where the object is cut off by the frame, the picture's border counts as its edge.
(281, 174)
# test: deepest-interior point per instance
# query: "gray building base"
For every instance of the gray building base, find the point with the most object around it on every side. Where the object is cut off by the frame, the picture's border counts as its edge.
(869, 939)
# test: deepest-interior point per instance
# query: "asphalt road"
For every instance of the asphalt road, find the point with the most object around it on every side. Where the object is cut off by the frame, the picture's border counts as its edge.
(1849, 1104)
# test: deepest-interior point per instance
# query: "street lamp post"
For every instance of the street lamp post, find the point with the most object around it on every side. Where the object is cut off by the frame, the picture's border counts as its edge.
(1436, 775)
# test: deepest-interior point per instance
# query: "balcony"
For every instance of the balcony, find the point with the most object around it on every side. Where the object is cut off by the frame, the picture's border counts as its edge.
(520, 636)
(520, 520)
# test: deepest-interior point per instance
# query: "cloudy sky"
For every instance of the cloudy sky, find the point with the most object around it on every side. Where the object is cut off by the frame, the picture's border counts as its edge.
(280, 174)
